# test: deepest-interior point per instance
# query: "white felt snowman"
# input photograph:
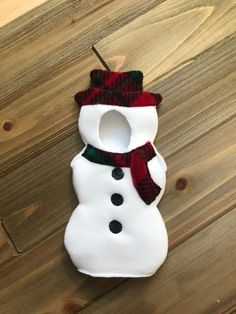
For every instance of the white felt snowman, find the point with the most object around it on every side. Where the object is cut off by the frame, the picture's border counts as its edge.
(119, 178)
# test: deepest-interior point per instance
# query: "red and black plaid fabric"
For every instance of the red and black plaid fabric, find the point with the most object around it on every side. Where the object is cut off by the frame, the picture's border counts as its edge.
(118, 89)
(137, 161)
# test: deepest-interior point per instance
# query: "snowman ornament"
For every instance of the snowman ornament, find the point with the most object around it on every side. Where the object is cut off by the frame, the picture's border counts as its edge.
(119, 178)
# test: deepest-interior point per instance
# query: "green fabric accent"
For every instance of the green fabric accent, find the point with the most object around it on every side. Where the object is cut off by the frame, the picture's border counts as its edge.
(92, 154)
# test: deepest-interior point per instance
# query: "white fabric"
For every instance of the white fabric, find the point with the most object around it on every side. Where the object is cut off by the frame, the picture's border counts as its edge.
(141, 247)
(142, 120)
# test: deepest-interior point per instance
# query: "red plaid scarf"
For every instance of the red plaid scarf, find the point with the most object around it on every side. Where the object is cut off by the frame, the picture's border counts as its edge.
(136, 160)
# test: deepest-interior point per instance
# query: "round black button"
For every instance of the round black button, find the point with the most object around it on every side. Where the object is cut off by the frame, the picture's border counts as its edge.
(117, 173)
(115, 226)
(117, 199)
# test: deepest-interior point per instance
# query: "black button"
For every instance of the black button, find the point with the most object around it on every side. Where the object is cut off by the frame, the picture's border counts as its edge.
(117, 173)
(115, 226)
(117, 199)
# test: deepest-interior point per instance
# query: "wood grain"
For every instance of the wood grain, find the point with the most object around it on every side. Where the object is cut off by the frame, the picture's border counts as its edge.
(171, 34)
(44, 281)
(45, 115)
(197, 97)
(186, 51)
(199, 272)
(64, 30)
(29, 195)
(43, 199)
(208, 167)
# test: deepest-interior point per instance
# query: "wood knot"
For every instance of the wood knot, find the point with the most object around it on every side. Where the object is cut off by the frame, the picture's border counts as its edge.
(181, 184)
(71, 307)
(7, 126)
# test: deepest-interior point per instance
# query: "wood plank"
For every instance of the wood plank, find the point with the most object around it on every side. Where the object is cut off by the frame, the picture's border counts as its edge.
(38, 197)
(11, 10)
(45, 281)
(170, 35)
(197, 177)
(62, 31)
(45, 115)
(198, 277)
(197, 97)
(51, 15)
(200, 214)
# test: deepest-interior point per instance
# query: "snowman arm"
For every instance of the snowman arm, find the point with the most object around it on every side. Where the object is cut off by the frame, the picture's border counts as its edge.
(161, 161)
(158, 174)
(74, 160)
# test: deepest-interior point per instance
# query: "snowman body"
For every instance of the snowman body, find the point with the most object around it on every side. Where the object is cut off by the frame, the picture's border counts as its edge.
(113, 232)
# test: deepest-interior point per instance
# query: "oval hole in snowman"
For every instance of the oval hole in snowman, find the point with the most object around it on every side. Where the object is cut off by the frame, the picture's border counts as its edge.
(114, 131)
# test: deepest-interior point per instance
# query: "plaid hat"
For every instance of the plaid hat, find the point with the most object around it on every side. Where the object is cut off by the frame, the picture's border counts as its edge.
(118, 89)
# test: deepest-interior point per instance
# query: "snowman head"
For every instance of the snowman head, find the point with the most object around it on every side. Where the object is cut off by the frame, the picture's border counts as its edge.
(116, 114)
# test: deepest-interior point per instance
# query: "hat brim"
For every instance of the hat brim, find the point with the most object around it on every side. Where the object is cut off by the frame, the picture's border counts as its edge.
(93, 96)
